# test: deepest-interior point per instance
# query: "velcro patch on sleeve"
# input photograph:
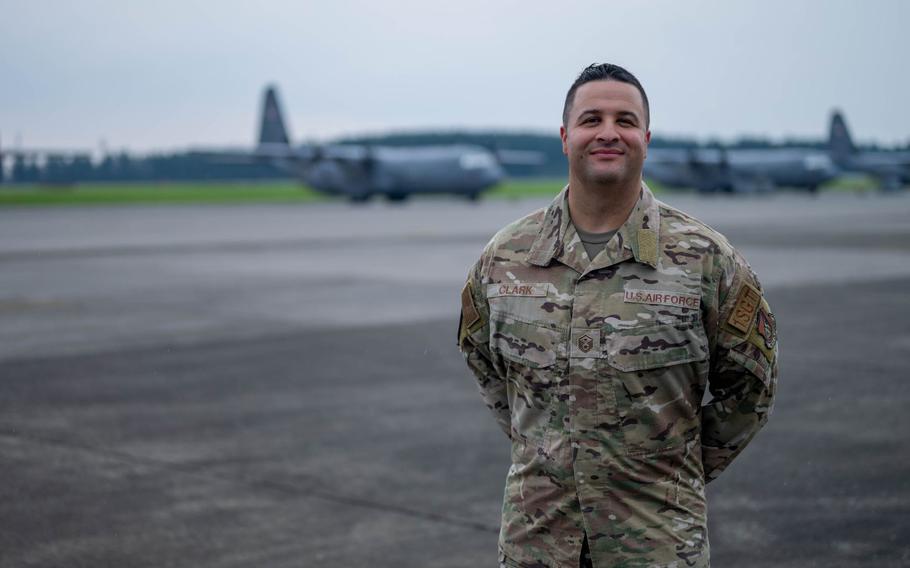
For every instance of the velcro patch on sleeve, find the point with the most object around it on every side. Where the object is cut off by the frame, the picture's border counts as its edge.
(743, 314)
(470, 320)
(469, 315)
(647, 246)
(764, 334)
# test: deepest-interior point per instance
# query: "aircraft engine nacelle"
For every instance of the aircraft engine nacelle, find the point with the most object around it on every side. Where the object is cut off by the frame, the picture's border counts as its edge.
(337, 177)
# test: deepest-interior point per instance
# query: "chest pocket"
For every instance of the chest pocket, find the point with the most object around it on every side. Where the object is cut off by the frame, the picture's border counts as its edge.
(660, 372)
(527, 324)
(657, 345)
(531, 345)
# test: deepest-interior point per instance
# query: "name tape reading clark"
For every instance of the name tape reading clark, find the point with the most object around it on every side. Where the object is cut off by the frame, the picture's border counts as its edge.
(526, 290)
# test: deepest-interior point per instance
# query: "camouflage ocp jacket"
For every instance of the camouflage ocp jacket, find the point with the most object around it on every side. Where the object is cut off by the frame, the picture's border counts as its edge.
(597, 369)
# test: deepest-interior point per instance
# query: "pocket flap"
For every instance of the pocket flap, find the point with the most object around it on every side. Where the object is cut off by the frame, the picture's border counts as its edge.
(529, 344)
(656, 346)
(534, 303)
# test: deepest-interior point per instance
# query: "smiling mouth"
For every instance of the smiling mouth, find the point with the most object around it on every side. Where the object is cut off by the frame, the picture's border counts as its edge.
(607, 152)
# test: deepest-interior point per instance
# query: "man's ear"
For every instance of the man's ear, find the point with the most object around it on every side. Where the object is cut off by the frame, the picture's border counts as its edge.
(562, 136)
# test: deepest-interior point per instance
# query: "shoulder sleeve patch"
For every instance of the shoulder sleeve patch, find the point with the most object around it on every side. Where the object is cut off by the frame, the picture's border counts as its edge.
(743, 314)
(764, 334)
(470, 317)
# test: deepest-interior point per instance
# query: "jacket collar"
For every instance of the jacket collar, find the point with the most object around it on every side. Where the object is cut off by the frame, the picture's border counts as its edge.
(637, 238)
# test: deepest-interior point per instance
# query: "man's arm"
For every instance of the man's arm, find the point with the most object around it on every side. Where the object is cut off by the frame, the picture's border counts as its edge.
(743, 376)
(474, 342)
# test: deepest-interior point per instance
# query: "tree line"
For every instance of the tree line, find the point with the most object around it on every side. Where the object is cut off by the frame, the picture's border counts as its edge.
(67, 168)
(123, 167)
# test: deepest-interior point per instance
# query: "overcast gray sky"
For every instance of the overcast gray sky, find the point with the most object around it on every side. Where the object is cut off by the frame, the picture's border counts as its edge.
(178, 73)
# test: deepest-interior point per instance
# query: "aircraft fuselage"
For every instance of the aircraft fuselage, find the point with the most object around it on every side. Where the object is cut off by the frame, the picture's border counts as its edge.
(361, 171)
(739, 169)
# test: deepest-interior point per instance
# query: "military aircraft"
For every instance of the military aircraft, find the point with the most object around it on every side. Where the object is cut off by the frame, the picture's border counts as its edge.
(740, 170)
(362, 171)
(891, 169)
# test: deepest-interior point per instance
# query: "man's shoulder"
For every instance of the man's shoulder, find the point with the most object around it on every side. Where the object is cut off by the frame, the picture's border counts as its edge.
(519, 235)
(677, 226)
(688, 240)
(510, 245)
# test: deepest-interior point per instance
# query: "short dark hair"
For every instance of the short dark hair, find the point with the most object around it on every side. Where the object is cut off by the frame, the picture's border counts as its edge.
(604, 72)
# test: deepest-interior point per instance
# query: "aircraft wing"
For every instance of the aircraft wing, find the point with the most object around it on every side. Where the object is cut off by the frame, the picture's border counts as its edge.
(261, 153)
(689, 156)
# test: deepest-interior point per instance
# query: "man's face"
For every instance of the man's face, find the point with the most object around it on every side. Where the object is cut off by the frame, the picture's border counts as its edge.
(606, 138)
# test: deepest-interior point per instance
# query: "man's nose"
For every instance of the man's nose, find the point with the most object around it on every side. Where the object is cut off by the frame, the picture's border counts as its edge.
(607, 132)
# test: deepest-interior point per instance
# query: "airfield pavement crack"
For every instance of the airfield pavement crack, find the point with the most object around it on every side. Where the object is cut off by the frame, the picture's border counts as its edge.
(283, 489)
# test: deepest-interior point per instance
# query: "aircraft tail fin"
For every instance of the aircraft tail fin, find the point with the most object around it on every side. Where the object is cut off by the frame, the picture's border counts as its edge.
(840, 144)
(271, 129)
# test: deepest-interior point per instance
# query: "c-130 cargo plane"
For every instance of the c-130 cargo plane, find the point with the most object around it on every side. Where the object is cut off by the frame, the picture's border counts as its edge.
(360, 171)
(740, 170)
(890, 168)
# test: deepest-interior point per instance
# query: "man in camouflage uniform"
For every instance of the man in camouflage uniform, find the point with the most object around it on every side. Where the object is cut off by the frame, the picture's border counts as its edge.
(594, 327)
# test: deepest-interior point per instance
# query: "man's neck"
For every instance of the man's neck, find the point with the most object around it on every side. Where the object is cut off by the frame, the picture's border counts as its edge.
(602, 208)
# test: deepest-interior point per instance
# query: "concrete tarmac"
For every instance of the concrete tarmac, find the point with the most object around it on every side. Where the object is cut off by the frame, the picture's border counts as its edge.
(279, 386)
